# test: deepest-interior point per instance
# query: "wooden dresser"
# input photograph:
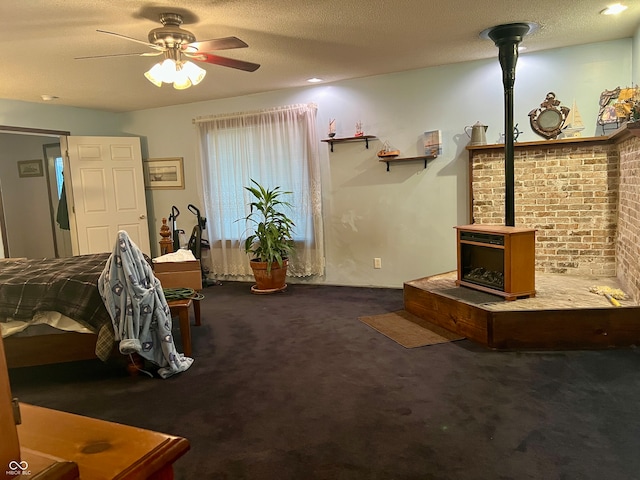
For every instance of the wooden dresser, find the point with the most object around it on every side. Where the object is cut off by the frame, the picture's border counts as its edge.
(54, 445)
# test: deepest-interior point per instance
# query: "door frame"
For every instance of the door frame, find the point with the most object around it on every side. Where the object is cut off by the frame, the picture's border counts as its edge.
(3, 229)
(61, 238)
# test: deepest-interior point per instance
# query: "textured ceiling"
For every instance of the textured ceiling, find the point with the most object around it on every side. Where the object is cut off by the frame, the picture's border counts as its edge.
(293, 40)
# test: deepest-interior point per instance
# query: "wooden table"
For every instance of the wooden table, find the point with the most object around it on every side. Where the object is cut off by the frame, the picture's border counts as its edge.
(102, 450)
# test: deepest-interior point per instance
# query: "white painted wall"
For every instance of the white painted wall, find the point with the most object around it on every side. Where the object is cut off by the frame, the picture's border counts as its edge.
(49, 116)
(405, 216)
(635, 80)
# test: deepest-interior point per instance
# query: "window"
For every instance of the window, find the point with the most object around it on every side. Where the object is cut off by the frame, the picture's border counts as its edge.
(277, 147)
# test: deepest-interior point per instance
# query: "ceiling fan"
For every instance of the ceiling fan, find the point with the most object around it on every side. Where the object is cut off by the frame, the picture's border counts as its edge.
(178, 46)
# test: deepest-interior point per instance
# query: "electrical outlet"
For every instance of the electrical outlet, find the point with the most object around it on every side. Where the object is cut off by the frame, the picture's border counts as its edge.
(377, 263)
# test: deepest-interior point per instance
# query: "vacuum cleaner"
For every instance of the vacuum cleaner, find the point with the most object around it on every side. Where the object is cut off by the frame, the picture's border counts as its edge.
(197, 243)
(175, 232)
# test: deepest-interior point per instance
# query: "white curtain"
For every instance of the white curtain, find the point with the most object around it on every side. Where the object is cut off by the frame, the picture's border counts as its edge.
(277, 147)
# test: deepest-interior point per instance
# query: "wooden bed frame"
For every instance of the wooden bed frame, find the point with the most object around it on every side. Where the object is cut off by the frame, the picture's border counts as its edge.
(59, 348)
(28, 351)
(46, 349)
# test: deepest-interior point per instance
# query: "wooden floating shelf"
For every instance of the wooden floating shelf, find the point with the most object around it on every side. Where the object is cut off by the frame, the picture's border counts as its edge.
(389, 160)
(361, 138)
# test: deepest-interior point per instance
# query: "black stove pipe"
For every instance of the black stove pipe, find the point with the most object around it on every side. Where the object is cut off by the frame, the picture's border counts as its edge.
(507, 38)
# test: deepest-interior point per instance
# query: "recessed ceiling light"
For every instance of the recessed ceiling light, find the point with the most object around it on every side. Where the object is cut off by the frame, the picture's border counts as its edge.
(48, 98)
(614, 9)
(314, 80)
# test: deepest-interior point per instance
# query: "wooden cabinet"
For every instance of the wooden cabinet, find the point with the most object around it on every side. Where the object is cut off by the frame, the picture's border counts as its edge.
(497, 259)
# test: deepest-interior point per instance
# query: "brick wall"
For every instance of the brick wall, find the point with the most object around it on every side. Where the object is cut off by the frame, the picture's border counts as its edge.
(583, 198)
(628, 235)
(568, 192)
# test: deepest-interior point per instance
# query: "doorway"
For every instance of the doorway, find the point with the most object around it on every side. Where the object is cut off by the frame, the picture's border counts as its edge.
(28, 199)
(104, 179)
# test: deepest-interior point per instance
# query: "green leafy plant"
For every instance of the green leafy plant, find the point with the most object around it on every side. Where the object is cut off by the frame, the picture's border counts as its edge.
(271, 240)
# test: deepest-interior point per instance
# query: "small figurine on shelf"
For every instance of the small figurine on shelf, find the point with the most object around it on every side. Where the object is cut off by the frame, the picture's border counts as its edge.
(387, 151)
(359, 132)
(332, 128)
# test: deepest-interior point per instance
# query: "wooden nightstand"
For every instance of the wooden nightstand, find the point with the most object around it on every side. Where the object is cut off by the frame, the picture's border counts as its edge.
(182, 275)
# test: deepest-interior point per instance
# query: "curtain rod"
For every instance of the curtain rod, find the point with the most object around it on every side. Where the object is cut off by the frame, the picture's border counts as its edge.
(223, 116)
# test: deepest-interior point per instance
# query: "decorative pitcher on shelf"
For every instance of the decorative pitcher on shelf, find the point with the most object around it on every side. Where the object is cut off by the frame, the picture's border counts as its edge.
(478, 134)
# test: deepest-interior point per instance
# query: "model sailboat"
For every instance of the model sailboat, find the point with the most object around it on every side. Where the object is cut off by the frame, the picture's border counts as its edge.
(387, 151)
(573, 123)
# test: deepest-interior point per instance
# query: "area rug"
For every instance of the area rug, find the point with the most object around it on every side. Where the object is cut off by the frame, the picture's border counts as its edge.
(408, 330)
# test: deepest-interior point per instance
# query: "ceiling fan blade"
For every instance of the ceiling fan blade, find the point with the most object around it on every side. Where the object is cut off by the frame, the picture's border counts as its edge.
(120, 55)
(225, 43)
(119, 35)
(225, 62)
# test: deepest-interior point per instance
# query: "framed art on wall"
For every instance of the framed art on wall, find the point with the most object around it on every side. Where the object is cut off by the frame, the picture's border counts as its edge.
(30, 168)
(164, 173)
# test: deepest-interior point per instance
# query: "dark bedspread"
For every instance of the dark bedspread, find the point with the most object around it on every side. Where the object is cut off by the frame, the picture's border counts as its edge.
(65, 285)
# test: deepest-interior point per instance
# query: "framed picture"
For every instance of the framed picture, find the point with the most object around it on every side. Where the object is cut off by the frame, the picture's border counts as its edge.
(167, 173)
(30, 168)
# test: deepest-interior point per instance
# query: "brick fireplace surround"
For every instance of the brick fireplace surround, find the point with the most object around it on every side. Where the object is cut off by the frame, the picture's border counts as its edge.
(582, 195)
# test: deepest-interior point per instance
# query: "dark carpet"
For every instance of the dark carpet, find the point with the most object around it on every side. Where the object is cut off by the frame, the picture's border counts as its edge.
(294, 386)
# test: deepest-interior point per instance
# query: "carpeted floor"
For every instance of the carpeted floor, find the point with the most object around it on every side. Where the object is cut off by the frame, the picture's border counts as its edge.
(294, 386)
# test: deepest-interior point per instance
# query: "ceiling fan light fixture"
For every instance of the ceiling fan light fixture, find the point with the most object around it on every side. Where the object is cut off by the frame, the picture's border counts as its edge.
(163, 72)
(182, 74)
(153, 75)
(177, 44)
(168, 70)
(195, 73)
(181, 80)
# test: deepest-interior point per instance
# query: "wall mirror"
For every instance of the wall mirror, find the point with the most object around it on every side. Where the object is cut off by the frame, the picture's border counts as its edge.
(548, 119)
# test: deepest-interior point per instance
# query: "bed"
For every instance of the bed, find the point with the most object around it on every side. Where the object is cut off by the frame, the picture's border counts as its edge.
(74, 300)
(51, 310)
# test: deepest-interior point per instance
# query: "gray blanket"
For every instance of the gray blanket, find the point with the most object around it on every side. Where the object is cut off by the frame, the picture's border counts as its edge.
(138, 309)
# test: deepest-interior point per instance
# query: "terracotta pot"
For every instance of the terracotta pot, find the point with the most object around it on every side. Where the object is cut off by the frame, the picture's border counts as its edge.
(269, 282)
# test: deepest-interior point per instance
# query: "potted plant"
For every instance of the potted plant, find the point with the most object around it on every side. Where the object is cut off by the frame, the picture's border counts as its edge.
(270, 242)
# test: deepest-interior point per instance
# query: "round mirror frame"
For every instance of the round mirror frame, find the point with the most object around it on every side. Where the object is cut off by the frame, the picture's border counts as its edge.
(548, 119)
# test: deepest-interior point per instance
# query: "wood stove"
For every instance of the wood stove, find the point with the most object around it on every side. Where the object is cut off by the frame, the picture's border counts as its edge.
(497, 259)
(501, 259)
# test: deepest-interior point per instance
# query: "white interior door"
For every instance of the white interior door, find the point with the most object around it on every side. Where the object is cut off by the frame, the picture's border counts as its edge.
(107, 193)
